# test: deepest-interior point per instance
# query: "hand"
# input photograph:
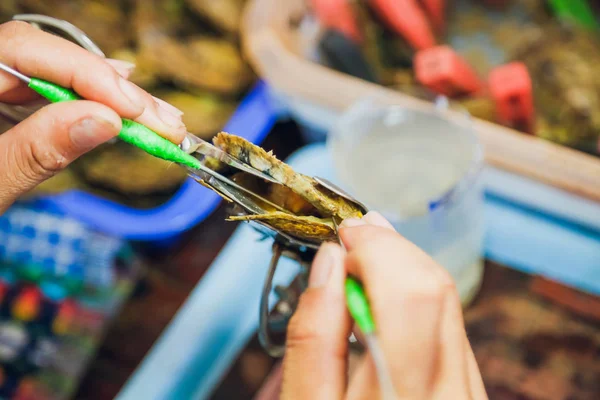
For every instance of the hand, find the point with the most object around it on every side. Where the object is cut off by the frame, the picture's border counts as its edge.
(56, 135)
(417, 314)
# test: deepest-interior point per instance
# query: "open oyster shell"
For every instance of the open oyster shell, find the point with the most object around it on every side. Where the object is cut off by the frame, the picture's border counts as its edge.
(310, 207)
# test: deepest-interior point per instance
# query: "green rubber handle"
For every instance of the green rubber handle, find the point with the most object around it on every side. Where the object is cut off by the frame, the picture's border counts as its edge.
(131, 132)
(358, 306)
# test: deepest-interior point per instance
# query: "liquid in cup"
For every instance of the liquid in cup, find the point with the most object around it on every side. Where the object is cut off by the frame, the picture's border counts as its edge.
(421, 170)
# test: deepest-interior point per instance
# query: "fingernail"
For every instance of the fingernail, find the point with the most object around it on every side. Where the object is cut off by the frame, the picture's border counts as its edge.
(322, 266)
(92, 131)
(376, 219)
(124, 68)
(133, 93)
(170, 108)
(352, 222)
(121, 64)
(169, 118)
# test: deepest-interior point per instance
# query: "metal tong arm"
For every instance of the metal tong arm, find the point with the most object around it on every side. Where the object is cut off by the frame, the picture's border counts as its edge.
(193, 144)
(343, 194)
(64, 27)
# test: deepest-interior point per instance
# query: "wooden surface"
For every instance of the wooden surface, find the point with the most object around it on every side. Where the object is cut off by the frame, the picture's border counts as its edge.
(527, 346)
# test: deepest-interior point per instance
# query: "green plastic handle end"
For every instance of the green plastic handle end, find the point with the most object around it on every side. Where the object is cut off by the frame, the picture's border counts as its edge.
(131, 132)
(358, 306)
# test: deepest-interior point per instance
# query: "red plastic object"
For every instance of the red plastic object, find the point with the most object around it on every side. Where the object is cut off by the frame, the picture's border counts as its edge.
(29, 389)
(27, 305)
(436, 11)
(65, 318)
(407, 18)
(442, 70)
(511, 89)
(4, 286)
(338, 15)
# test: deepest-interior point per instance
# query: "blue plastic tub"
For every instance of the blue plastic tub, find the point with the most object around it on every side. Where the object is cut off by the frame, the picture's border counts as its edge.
(253, 120)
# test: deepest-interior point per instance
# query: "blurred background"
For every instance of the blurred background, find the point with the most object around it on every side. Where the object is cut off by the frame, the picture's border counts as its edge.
(479, 122)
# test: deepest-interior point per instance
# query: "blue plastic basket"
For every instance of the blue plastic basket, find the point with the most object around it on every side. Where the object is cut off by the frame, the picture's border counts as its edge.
(56, 246)
(253, 120)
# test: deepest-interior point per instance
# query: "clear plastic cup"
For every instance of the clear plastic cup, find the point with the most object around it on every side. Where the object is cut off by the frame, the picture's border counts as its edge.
(421, 169)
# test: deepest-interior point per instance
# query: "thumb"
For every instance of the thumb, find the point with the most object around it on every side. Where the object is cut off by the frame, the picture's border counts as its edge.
(314, 365)
(48, 141)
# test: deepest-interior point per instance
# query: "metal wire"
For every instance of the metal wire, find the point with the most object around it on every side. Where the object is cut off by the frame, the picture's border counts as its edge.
(66, 28)
(15, 73)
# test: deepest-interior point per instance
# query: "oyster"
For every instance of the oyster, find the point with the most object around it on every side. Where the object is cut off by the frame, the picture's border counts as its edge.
(563, 68)
(199, 62)
(310, 206)
(170, 43)
(322, 199)
(99, 19)
(224, 14)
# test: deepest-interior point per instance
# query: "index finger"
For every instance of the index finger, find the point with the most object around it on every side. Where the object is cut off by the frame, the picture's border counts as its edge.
(42, 55)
